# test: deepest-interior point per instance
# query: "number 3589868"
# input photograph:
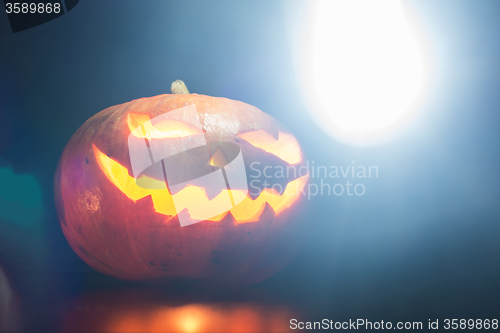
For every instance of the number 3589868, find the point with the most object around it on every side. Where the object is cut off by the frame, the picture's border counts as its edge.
(470, 324)
(32, 8)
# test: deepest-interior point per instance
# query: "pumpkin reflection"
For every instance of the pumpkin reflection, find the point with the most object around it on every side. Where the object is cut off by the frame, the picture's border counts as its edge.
(133, 315)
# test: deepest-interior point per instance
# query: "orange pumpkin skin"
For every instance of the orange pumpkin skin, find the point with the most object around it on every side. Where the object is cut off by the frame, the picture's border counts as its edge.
(131, 241)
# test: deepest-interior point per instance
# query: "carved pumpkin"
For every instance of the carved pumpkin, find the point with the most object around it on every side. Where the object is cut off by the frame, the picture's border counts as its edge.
(125, 219)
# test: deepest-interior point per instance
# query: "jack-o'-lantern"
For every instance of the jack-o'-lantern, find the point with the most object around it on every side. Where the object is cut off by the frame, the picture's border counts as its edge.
(161, 188)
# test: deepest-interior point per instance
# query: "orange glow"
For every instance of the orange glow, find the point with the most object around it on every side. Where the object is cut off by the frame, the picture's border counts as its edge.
(198, 318)
(286, 147)
(128, 323)
(218, 158)
(192, 318)
(194, 199)
(168, 128)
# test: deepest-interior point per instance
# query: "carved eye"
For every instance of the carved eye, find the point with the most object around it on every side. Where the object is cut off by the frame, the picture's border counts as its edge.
(286, 147)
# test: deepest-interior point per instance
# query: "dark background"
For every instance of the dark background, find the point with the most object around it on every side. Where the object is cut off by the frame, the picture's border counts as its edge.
(422, 243)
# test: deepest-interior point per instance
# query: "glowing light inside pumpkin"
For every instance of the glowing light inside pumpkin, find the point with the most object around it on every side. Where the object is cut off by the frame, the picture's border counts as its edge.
(218, 159)
(192, 197)
(286, 147)
(168, 128)
(366, 68)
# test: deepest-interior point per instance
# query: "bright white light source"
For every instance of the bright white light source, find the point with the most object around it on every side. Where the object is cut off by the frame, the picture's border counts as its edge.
(366, 67)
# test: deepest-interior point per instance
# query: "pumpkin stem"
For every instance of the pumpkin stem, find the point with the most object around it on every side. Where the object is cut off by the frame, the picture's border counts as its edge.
(179, 87)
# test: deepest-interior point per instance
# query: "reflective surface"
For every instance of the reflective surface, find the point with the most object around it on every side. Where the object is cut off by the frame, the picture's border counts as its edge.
(155, 311)
(421, 243)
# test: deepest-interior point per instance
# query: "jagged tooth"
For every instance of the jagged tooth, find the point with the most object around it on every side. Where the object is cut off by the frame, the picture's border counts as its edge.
(113, 171)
